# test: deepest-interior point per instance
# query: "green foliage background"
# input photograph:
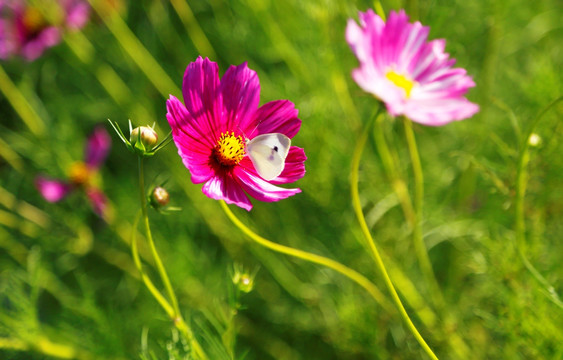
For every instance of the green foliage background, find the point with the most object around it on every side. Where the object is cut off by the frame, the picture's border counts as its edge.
(67, 278)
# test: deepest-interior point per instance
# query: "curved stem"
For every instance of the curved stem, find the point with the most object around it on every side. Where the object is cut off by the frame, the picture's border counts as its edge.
(157, 260)
(416, 167)
(148, 283)
(519, 220)
(419, 245)
(316, 259)
(398, 185)
(173, 310)
(522, 173)
(354, 177)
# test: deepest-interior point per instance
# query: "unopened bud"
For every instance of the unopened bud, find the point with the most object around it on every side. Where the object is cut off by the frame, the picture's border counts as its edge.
(159, 197)
(534, 140)
(246, 283)
(242, 279)
(148, 136)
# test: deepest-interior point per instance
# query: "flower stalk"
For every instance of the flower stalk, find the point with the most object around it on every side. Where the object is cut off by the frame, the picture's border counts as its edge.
(519, 216)
(419, 245)
(354, 178)
(313, 258)
(173, 309)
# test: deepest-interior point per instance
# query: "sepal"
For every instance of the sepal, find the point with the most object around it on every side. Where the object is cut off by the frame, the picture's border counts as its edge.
(138, 142)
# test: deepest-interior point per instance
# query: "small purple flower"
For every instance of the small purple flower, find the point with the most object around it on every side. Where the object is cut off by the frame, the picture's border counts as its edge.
(27, 31)
(81, 174)
(412, 76)
(210, 132)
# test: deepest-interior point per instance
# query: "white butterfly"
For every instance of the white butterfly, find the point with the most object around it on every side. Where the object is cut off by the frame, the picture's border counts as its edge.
(267, 153)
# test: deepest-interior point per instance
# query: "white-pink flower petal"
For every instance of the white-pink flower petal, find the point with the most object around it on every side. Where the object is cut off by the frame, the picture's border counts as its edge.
(412, 76)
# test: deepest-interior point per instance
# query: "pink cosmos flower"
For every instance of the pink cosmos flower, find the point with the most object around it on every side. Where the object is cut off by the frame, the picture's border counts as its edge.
(412, 76)
(211, 130)
(25, 29)
(82, 174)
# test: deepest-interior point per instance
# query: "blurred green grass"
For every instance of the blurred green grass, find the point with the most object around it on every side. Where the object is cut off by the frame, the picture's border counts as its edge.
(68, 276)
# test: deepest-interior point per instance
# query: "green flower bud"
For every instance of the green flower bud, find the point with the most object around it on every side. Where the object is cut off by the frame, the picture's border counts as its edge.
(246, 283)
(534, 140)
(159, 197)
(242, 279)
(148, 136)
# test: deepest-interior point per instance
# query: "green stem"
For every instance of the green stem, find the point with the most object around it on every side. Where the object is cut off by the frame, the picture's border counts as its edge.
(157, 260)
(354, 178)
(416, 167)
(313, 258)
(519, 220)
(419, 245)
(398, 185)
(173, 310)
(148, 283)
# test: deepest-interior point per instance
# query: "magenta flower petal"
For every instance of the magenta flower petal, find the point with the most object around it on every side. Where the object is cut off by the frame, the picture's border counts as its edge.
(209, 132)
(183, 122)
(240, 90)
(8, 45)
(412, 76)
(294, 167)
(261, 189)
(226, 188)
(278, 116)
(193, 146)
(201, 98)
(97, 147)
(48, 37)
(52, 190)
(98, 200)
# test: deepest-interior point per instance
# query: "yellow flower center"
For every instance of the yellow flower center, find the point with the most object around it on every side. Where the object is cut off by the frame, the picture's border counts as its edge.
(229, 150)
(79, 173)
(401, 81)
(33, 20)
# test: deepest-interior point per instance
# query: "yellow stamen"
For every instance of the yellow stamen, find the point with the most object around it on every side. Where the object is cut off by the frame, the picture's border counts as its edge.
(79, 173)
(401, 81)
(229, 150)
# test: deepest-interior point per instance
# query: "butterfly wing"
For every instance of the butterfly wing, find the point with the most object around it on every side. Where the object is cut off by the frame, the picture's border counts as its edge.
(267, 153)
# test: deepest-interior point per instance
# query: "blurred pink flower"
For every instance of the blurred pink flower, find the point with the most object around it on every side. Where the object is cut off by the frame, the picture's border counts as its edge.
(412, 76)
(77, 13)
(210, 133)
(27, 31)
(81, 174)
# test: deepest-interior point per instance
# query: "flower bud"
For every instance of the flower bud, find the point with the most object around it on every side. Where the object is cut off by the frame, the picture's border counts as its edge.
(148, 136)
(242, 279)
(159, 197)
(534, 140)
(246, 283)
